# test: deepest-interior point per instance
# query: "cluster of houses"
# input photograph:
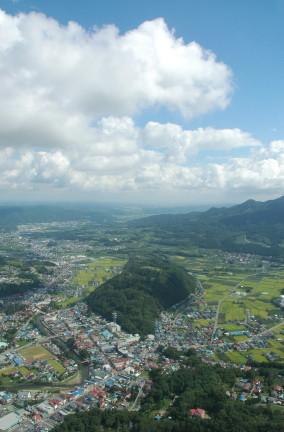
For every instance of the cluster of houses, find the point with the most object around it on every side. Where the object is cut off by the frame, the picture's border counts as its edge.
(108, 350)
(117, 364)
(19, 369)
(181, 332)
(27, 411)
(246, 389)
(10, 323)
(16, 366)
(240, 258)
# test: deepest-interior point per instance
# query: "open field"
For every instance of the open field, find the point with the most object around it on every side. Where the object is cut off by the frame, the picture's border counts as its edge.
(99, 271)
(36, 352)
(242, 288)
(203, 322)
(246, 293)
(236, 357)
(7, 371)
(56, 366)
(93, 275)
(233, 310)
(33, 353)
(257, 354)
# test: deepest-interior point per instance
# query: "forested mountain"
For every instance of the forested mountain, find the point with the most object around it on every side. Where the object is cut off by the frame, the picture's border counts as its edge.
(141, 291)
(253, 227)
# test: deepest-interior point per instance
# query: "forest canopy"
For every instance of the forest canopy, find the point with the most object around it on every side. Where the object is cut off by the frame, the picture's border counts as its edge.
(144, 288)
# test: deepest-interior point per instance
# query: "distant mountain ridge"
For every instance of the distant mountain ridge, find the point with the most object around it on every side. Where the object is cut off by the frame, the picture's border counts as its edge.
(253, 227)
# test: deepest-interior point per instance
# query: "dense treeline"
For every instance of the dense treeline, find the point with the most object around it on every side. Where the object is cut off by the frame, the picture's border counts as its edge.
(241, 419)
(140, 292)
(199, 386)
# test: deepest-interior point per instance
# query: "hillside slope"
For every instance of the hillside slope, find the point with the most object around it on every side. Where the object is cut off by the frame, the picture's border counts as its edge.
(140, 292)
(253, 227)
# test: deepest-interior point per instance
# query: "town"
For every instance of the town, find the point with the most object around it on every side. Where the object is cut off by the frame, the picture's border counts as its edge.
(57, 357)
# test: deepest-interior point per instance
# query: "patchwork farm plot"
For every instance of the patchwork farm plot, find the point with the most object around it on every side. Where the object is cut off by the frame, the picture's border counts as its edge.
(245, 293)
(87, 279)
(98, 272)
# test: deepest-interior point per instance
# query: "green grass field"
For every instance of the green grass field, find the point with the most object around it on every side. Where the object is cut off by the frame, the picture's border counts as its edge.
(99, 271)
(7, 371)
(245, 290)
(233, 327)
(233, 310)
(56, 366)
(38, 352)
(203, 322)
(94, 274)
(236, 357)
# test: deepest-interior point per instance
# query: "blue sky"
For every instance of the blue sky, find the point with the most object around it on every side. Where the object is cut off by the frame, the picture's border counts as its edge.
(246, 36)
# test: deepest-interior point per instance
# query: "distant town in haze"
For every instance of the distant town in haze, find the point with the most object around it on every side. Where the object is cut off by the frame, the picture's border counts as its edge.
(141, 216)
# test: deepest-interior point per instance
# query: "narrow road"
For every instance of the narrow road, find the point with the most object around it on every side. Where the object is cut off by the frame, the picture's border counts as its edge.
(41, 386)
(217, 317)
(225, 298)
(135, 406)
(266, 331)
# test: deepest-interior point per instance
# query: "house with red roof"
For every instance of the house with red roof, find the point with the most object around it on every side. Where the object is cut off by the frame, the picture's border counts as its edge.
(197, 412)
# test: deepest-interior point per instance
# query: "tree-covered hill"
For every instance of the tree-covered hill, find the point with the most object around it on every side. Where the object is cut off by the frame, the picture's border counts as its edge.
(251, 227)
(141, 291)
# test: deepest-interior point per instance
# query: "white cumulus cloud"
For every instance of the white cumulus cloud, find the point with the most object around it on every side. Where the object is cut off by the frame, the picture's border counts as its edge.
(119, 156)
(68, 97)
(56, 80)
